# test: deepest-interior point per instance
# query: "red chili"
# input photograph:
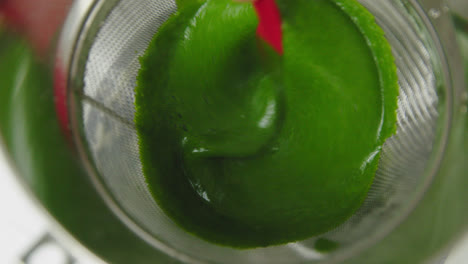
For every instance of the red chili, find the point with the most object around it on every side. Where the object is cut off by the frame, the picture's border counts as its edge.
(269, 27)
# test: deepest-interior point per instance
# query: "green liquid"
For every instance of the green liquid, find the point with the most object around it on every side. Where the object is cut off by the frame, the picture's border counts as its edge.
(245, 148)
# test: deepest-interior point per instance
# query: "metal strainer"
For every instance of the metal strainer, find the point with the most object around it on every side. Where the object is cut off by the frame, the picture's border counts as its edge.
(103, 64)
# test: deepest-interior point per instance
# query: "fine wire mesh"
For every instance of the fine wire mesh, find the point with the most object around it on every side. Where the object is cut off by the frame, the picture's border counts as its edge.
(108, 114)
(404, 156)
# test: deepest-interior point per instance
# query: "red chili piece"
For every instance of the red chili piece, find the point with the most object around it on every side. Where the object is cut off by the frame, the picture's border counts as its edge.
(269, 27)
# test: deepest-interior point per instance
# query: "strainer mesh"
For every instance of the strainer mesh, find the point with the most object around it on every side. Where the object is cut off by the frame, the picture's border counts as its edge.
(107, 104)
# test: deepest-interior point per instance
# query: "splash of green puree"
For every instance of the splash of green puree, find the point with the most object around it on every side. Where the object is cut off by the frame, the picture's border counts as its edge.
(246, 149)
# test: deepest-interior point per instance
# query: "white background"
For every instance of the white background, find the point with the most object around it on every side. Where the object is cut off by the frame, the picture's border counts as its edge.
(22, 224)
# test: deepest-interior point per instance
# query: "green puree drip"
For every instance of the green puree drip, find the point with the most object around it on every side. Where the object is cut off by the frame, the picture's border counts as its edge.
(245, 148)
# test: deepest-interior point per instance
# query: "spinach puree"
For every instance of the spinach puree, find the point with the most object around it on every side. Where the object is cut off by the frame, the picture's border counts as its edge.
(246, 148)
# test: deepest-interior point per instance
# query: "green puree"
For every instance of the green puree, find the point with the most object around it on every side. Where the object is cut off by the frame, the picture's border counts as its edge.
(245, 148)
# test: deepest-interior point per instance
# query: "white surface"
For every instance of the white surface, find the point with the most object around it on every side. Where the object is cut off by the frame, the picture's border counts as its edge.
(24, 224)
(459, 254)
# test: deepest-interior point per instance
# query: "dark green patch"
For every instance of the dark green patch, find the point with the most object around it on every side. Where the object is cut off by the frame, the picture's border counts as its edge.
(324, 245)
